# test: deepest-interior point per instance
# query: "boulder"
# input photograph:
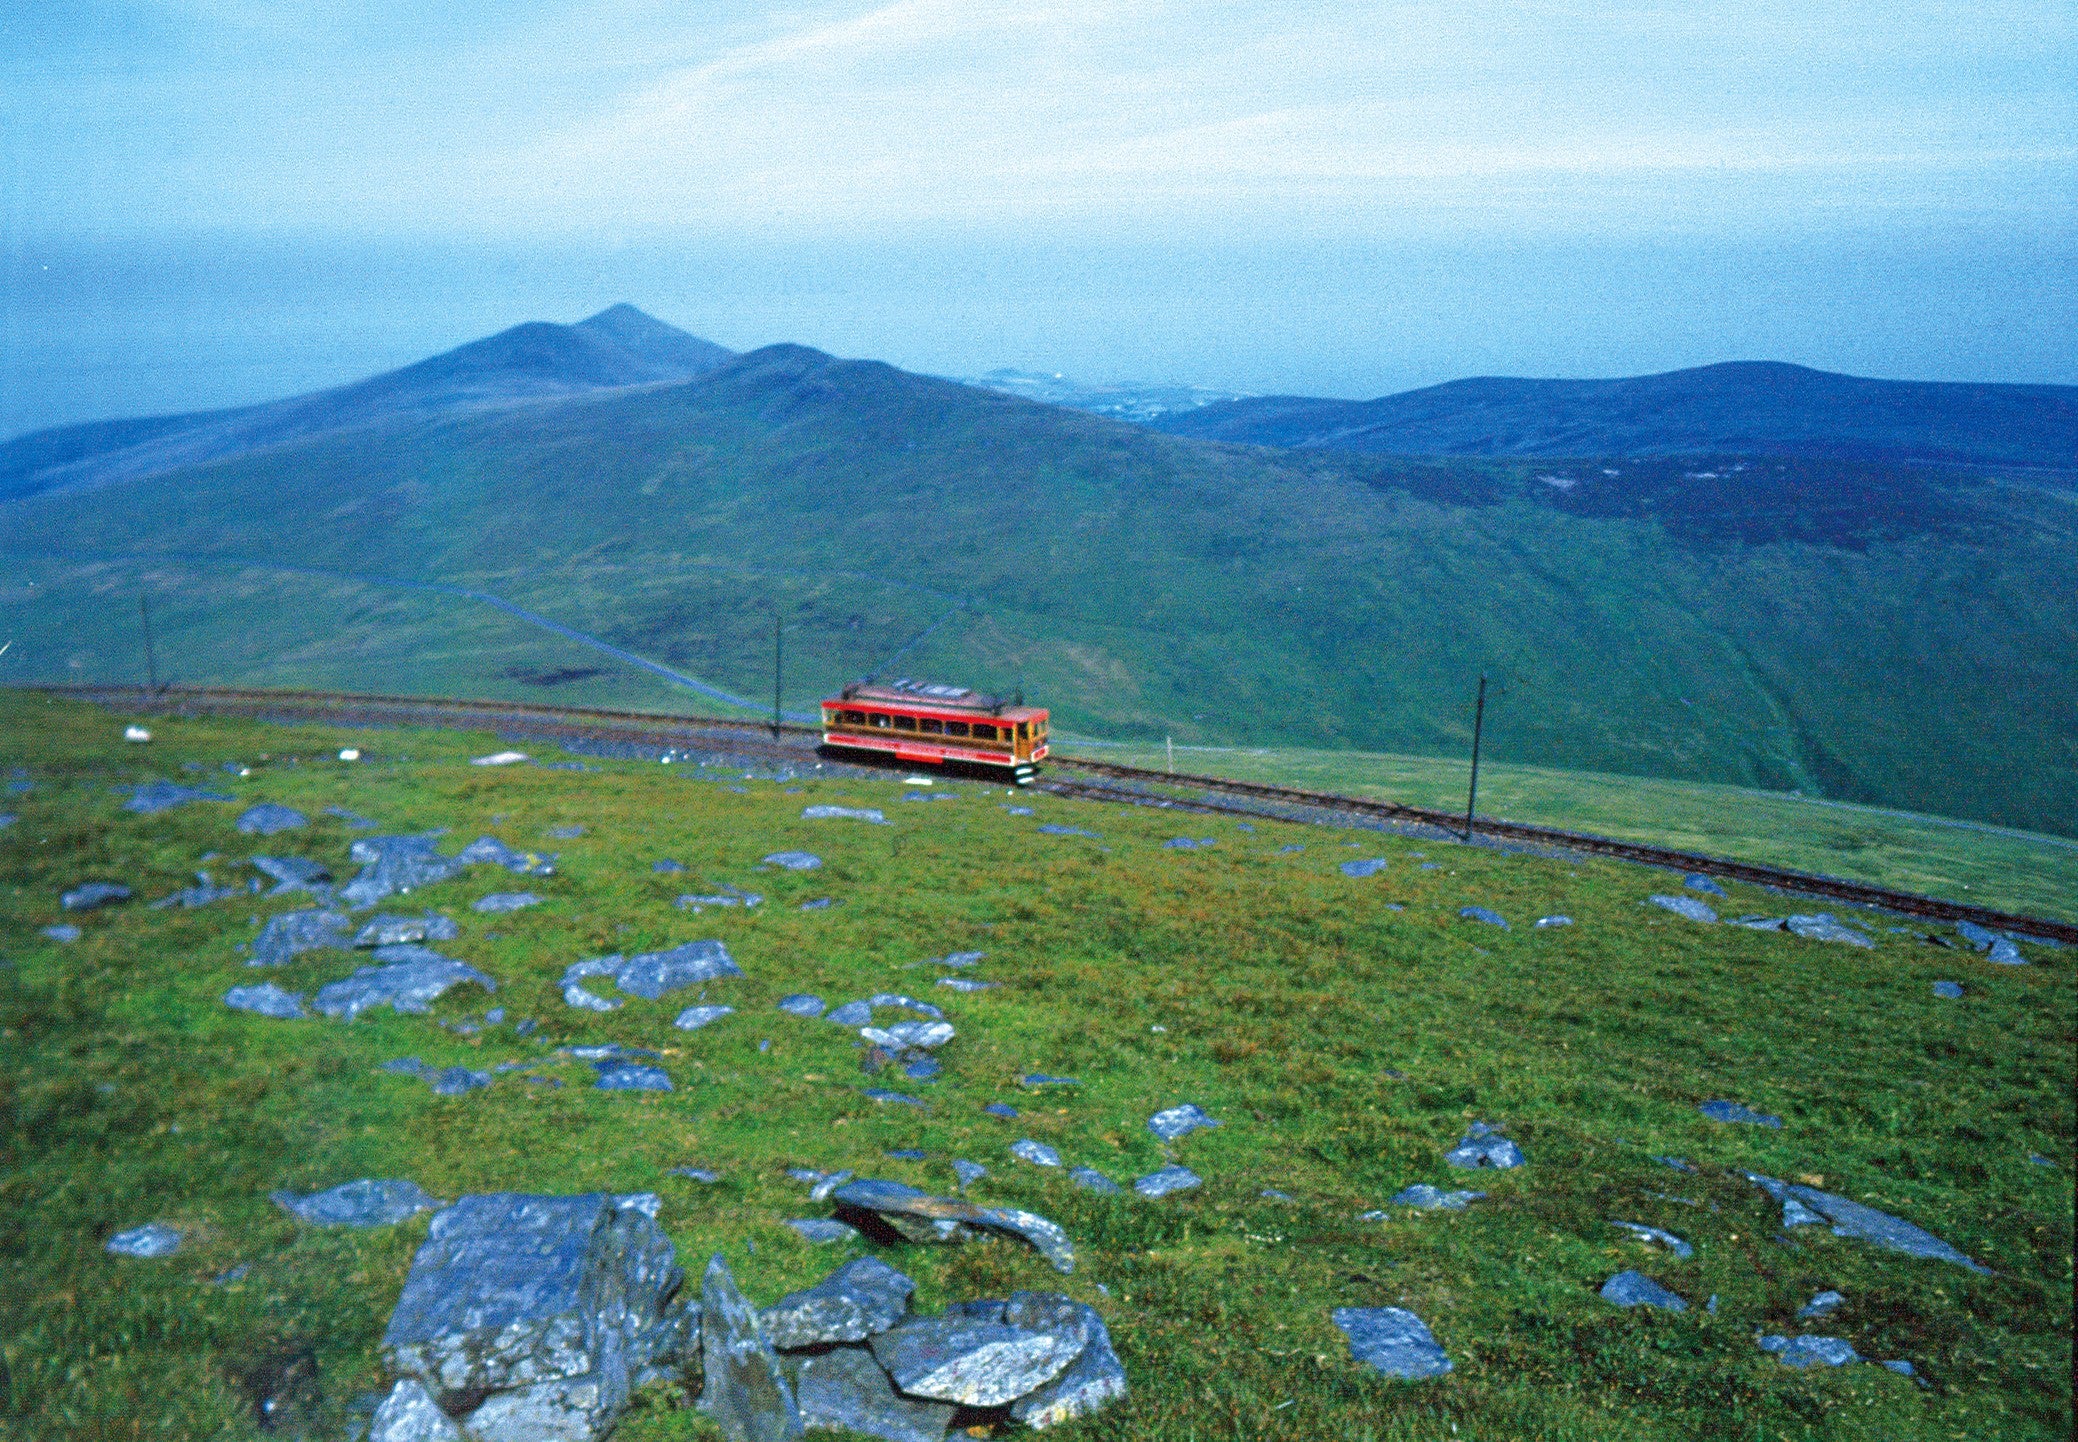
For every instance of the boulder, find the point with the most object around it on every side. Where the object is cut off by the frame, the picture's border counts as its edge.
(537, 1313)
(365, 1203)
(1095, 1378)
(409, 984)
(846, 1390)
(292, 933)
(94, 895)
(266, 1000)
(1179, 1121)
(409, 1414)
(266, 819)
(746, 1392)
(391, 864)
(1685, 906)
(861, 1298)
(1391, 1340)
(1635, 1289)
(972, 1363)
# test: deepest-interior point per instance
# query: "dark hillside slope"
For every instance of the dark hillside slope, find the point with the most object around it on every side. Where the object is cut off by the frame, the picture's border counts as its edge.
(531, 362)
(1742, 408)
(1911, 647)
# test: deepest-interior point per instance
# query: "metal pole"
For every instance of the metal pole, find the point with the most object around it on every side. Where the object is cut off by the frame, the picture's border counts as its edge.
(151, 661)
(778, 657)
(1478, 724)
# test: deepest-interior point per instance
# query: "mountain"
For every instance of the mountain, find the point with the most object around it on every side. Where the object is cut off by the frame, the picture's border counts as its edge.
(1121, 400)
(1750, 408)
(536, 361)
(1846, 628)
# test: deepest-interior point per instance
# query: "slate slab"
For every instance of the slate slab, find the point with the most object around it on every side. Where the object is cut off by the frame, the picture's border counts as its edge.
(821, 1230)
(1731, 1112)
(1167, 1180)
(490, 851)
(746, 1392)
(1368, 866)
(409, 1414)
(846, 1390)
(649, 974)
(391, 864)
(1684, 906)
(1865, 1223)
(268, 819)
(63, 932)
(406, 985)
(1655, 1236)
(1434, 1199)
(1481, 913)
(1952, 990)
(1802, 1352)
(1554, 921)
(1698, 881)
(365, 1203)
(620, 1075)
(1822, 926)
(1635, 1289)
(969, 1362)
(1822, 1305)
(403, 930)
(292, 873)
(1179, 1121)
(156, 796)
(695, 1017)
(863, 1297)
(2004, 953)
(794, 860)
(802, 1004)
(266, 999)
(1039, 1154)
(920, 1217)
(292, 933)
(1095, 1379)
(1484, 1146)
(500, 902)
(1092, 1180)
(1392, 1341)
(94, 895)
(842, 813)
(150, 1241)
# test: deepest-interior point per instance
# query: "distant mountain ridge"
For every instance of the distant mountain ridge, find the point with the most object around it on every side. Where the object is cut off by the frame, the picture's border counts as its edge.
(614, 349)
(1752, 408)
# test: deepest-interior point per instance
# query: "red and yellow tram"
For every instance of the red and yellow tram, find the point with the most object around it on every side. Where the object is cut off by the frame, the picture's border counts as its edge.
(930, 725)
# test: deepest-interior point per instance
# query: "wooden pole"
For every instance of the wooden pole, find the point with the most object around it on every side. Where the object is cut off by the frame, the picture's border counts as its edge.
(151, 660)
(778, 658)
(1478, 724)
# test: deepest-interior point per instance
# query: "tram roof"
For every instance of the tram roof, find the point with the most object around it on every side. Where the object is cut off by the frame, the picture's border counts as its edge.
(930, 696)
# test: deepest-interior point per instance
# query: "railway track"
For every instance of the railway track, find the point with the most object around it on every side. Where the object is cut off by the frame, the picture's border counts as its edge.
(1111, 783)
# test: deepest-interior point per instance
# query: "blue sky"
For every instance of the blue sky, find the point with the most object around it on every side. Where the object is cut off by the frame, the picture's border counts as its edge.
(1340, 198)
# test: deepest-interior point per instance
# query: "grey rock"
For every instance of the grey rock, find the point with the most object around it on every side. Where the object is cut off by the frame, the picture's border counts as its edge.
(969, 1362)
(1369, 866)
(2004, 953)
(1823, 927)
(667, 867)
(353, 819)
(1952, 990)
(1864, 1223)
(1679, 1164)
(1055, 829)
(490, 851)
(409, 1414)
(695, 1017)
(922, 1069)
(1821, 1305)
(968, 1172)
(565, 833)
(203, 894)
(365, 1203)
(628, 1076)
(1478, 913)
(1271, 1194)
(266, 1000)
(1697, 881)
(845, 1390)
(904, 1036)
(1554, 921)
(839, 813)
(156, 796)
(794, 860)
(94, 895)
(292, 873)
(1802, 1352)
(1431, 1199)
(64, 932)
(896, 998)
(920, 1217)
(457, 1081)
(819, 1230)
(1001, 1109)
(1019, 810)
(968, 984)
(1685, 906)
(404, 930)
(407, 985)
(499, 902)
(1635, 1289)
(859, 1299)
(1732, 1112)
(1039, 1154)
(391, 864)
(1092, 1180)
(747, 1393)
(1168, 1179)
(1483, 1146)
(1189, 843)
(1094, 1380)
(1760, 923)
(1796, 1214)
(1391, 1340)
(909, 1154)
(803, 1004)
(828, 1184)
(1656, 1236)
(1179, 1121)
(150, 1241)
(1042, 1079)
(266, 819)
(820, 903)
(882, 1094)
(852, 1013)
(292, 933)
(1900, 1366)
(1978, 938)
(650, 974)
(697, 1174)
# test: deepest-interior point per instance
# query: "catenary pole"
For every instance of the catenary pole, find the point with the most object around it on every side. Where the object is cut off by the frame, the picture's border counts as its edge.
(1478, 725)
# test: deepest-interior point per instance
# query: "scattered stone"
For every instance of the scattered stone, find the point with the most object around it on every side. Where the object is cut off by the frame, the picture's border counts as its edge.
(1796, 1214)
(94, 895)
(1635, 1289)
(407, 984)
(392, 864)
(1179, 1121)
(1804, 1352)
(2039, 1160)
(1392, 1341)
(150, 1241)
(1019, 810)
(667, 867)
(1290, 846)
(920, 1217)
(819, 1230)
(292, 933)
(204, 893)
(1168, 1179)
(1697, 881)
(293, 873)
(156, 796)
(1821, 1305)
(266, 819)
(846, 1390)
(1900, 1366)
(1480, 913)
(852, 1013)
(896, 998)
(619, 1075)
(1001, 1109)
(1092, 1180)
(858, 1300)
(1188, 843)
(409, 1414)
(1863, 1223)
(794, 860)
(499, 902)
(266, 1000)
(746, 1393)
(840, 813)
(968, 1172)
(973, 1363)
(1656, 1236)
(1686, 906)
(1760, 923)
(365, 1203)
(695, 1017)
(824, 1185)
(64, 932)
(904, 1036)
(1370, 866)
(967, 984)
(650, 974)
(909, 1154)
(697, 1174)
(1822, 927)
(1055, 829)
(2004, 953)
(882, 1094)
(403, 930)
(1554, 921)
(1484, 1146)
(802, 1004)
(1039, 1154)
(1431, 1199)
(490, 851)
(1096, 1377)
(1041, 1079)
(1978, 938)
(1734, 1112)
(923, 1069)
(1952, 990)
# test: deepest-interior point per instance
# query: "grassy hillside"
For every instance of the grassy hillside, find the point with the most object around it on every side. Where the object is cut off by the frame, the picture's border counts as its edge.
(1344, 1031)
(1887, 636)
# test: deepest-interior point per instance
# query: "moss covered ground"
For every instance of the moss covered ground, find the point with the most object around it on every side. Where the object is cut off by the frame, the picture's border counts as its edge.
(1345, 1031)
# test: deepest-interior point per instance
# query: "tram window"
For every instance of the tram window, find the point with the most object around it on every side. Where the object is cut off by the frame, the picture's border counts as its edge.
(933, 728)
(878, 721)
(854, 718)
(955, 728)
(1024, 730)
(983, 731)
(905, 723)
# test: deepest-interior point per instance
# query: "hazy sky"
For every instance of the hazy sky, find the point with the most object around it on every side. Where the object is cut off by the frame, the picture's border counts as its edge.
(1340, 198)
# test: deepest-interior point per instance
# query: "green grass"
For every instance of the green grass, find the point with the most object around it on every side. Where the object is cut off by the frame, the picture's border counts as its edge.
(2008, 870)
(1260, 983)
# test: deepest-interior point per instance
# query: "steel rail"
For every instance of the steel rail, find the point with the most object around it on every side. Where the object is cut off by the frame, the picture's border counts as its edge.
(1219, 795)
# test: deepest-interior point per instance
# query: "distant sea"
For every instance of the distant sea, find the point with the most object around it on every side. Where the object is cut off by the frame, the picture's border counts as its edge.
(101, 328)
